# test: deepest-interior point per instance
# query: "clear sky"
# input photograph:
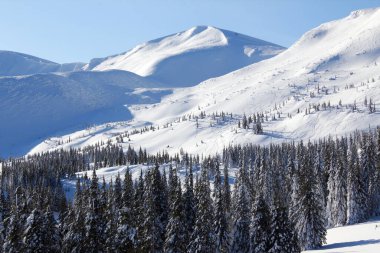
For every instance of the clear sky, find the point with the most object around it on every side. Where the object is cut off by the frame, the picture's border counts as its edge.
(78, 30)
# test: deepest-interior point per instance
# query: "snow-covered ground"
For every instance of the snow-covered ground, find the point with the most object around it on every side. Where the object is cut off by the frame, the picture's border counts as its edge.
(359, 238)
(34, 107)
(337, 63)
(15, 64)
(189, 57)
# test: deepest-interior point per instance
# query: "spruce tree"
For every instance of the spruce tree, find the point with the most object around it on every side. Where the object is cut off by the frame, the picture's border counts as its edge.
(153, 227)
(94, 220)
(283, 238)
(222, 239)
(203, 237)
(33, 234)
(176, 231)
(260, 226)
(308, 213)
(240, 236)
(13, 242)
(51, 239)
(189, 205)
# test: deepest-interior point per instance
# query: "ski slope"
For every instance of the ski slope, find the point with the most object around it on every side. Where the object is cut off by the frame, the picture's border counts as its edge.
(337, 63)
(189, 57)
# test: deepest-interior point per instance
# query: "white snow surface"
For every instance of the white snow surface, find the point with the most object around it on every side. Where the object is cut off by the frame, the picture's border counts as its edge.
(359, 238)
(342, 57)
(189, 57)
(16, 64)
(35, 107)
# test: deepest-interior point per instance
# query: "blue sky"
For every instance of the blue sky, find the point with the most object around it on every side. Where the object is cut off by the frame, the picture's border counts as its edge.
(78, 30)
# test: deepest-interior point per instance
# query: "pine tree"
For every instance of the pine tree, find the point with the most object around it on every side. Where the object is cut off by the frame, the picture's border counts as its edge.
(240, 237)
(176, 231)
(33, 234)
(222, 239)
(282, 238)
(94, 222)
(74, 227)
(357, 199)
(375, 182)
(189, 205)
(51, 239)
(126, 234)
(154, 221)
(260, 226)
(339, 192)
(111, 214)
(203, 238)
(13, 240)
(308, 215)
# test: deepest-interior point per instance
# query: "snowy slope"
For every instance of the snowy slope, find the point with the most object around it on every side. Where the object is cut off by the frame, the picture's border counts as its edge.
(359, 238)
(15, 64)
(32, 108)
(189, 57)
(337, 61)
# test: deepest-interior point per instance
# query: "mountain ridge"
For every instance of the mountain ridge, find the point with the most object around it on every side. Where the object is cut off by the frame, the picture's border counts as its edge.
(174, 59)
(315, 89)
(16, 64)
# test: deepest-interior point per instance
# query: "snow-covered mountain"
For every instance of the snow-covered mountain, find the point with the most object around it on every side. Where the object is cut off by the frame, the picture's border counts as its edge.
(318, 87)
(16, 64)
(189, 57)
(35, 107)
(60, 99)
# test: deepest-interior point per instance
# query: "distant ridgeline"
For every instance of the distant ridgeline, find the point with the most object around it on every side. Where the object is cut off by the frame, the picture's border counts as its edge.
(283, 199)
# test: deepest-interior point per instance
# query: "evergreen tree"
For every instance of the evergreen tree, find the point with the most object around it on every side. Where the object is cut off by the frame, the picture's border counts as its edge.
(126, 234)
(74, 227)
(308, 215)
(240, 237)
(282, 238)
(189, 205)
(94, 220)
(154, 218)
(260, 226)
(176, 231)
(356, 194)
(203, 238)
(51, 239)
(13, 242)
(222, 240)
(34, 234)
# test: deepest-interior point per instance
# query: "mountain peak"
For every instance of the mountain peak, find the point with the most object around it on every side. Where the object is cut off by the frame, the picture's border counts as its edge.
(364, 12)
(191, 56)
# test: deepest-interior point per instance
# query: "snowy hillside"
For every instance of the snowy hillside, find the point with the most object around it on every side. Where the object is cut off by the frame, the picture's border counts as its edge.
(325, 84)
(32, 108)
(359, 238)
(15, 64)
(189, 57)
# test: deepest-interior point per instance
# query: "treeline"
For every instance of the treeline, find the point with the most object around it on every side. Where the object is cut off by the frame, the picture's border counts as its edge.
(283, 199)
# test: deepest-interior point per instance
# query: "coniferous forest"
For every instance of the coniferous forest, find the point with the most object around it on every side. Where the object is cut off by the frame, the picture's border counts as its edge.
(282, 198)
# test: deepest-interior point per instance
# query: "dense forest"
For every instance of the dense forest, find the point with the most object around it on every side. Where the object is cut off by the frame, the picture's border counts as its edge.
(282, 198)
